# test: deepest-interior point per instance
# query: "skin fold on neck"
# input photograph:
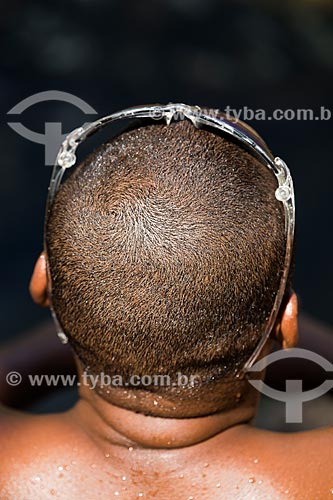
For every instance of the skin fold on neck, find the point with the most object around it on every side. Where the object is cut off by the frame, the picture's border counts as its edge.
(109, 423)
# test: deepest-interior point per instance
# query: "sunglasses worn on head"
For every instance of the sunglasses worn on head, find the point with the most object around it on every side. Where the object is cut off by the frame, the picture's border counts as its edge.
(284, 193)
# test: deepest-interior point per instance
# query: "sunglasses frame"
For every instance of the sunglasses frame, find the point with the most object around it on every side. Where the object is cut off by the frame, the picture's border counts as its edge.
(284, 193)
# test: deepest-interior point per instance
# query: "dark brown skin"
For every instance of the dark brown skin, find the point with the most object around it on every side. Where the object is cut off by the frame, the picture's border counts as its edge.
(98, 450)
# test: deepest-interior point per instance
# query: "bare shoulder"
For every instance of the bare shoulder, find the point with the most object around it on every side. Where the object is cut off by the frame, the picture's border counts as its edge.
(298, 463)
(307, 457)
(35, 452)
(317, 443)
(24, 431)
(23, 436)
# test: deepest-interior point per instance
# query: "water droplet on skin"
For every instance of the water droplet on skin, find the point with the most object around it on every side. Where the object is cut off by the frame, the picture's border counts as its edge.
(116, 493)
(181, 476)
(123, 478)
(218, 485)
(155, 402)
(255, 461)
(60, 468)
(252, 480)
(286, 491)
(260, 481)
(332, 491)
(130, 448)
(107, 455)
(206, 464)
(140, 495)
(190, 498)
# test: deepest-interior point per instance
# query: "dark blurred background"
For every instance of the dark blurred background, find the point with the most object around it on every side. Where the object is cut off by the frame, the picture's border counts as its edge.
(215, 53)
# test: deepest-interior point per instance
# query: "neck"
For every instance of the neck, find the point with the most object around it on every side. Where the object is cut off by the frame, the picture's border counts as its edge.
(110, 425)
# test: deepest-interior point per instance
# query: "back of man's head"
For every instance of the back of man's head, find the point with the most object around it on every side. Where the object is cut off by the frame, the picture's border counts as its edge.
(166, 248)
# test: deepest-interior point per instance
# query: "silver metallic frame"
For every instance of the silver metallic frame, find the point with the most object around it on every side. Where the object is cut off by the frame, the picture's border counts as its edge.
(66, 158)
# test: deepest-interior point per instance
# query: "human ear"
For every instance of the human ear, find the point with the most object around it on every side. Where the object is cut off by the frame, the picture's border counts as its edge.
(287, 329)
(38, 282)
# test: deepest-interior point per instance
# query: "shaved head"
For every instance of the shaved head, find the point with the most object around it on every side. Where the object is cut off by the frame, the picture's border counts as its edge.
(166, 248)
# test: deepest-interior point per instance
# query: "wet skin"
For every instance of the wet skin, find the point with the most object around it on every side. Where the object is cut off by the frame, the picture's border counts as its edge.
(92, 454)
(99, 450)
